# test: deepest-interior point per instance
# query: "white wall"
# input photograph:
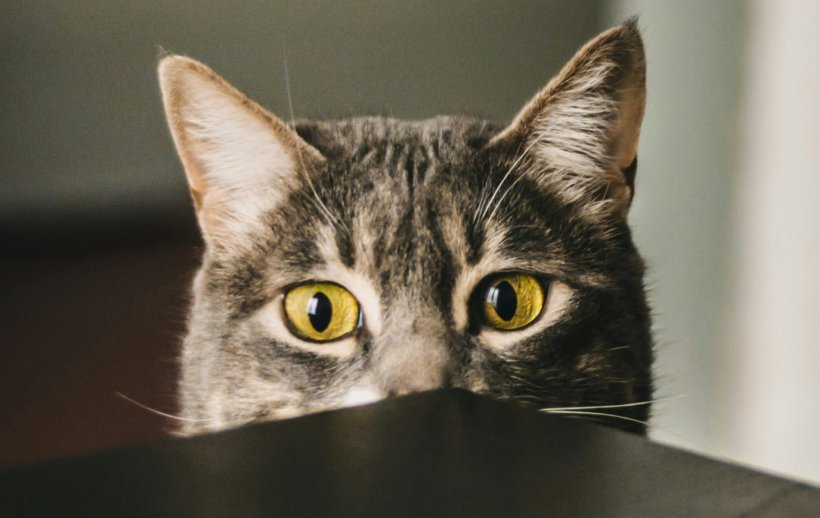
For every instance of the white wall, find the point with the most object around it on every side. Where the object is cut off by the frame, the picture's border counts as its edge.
(771, 405)
(727, 214)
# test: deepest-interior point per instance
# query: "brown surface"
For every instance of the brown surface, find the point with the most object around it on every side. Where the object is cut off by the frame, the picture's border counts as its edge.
(77, 329)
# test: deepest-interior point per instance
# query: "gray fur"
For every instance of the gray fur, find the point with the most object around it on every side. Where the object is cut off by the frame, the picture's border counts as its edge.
(415, 210)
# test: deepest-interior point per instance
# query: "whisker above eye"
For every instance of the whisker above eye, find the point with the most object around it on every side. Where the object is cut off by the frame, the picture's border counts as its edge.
(516, 162)
(316, 200)
(506, 192)
(482, 200)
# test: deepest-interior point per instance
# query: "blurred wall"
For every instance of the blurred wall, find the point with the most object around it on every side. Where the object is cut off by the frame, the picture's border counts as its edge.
(727, 216)
(683, 192)
(82, 136)
(770, 405)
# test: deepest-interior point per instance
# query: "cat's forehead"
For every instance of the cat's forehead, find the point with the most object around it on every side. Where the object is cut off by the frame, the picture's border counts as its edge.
(416, 203)
(441, 137)
(404, 216)
(394, 179)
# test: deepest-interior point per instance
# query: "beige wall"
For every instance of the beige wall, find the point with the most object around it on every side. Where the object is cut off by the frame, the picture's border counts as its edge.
(728, 215)
(772, 360)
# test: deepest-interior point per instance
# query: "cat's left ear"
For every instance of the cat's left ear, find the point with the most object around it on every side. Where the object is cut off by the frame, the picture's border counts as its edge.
(238, 158)
(580, 132)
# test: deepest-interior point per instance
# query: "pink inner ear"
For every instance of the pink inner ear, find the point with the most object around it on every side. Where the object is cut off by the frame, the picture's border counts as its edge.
(223, 138)
(232, 149)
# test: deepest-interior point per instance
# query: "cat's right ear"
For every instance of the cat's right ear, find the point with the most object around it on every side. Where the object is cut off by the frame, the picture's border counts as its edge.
(238, 158)
(581, 131)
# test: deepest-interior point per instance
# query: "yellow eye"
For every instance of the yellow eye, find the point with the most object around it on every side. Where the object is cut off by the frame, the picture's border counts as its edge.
(512, 301)
(321, 311)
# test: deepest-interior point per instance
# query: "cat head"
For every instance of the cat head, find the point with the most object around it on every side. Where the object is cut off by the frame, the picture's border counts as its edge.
(352, 260)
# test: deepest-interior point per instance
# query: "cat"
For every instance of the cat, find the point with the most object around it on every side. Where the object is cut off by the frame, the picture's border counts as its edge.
(351, 260)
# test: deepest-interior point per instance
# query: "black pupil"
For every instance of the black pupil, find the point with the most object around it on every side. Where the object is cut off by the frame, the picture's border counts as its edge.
(502, 297)
(320, 311)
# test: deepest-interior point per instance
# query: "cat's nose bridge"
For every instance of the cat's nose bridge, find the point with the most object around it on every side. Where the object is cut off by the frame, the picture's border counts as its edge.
(412, 353)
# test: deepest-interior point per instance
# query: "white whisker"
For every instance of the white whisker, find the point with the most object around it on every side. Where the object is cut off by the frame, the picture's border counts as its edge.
(504, 179)
(501, 199)
(654, 429)
(159, 412)
(482, 200)
(622, 405)
(317, 201)
(601, 414)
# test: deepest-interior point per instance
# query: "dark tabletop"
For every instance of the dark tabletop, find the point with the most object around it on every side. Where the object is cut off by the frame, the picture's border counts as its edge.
(447, 453)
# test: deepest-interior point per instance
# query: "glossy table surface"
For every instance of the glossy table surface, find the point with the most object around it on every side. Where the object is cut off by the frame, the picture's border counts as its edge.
(445, 453)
